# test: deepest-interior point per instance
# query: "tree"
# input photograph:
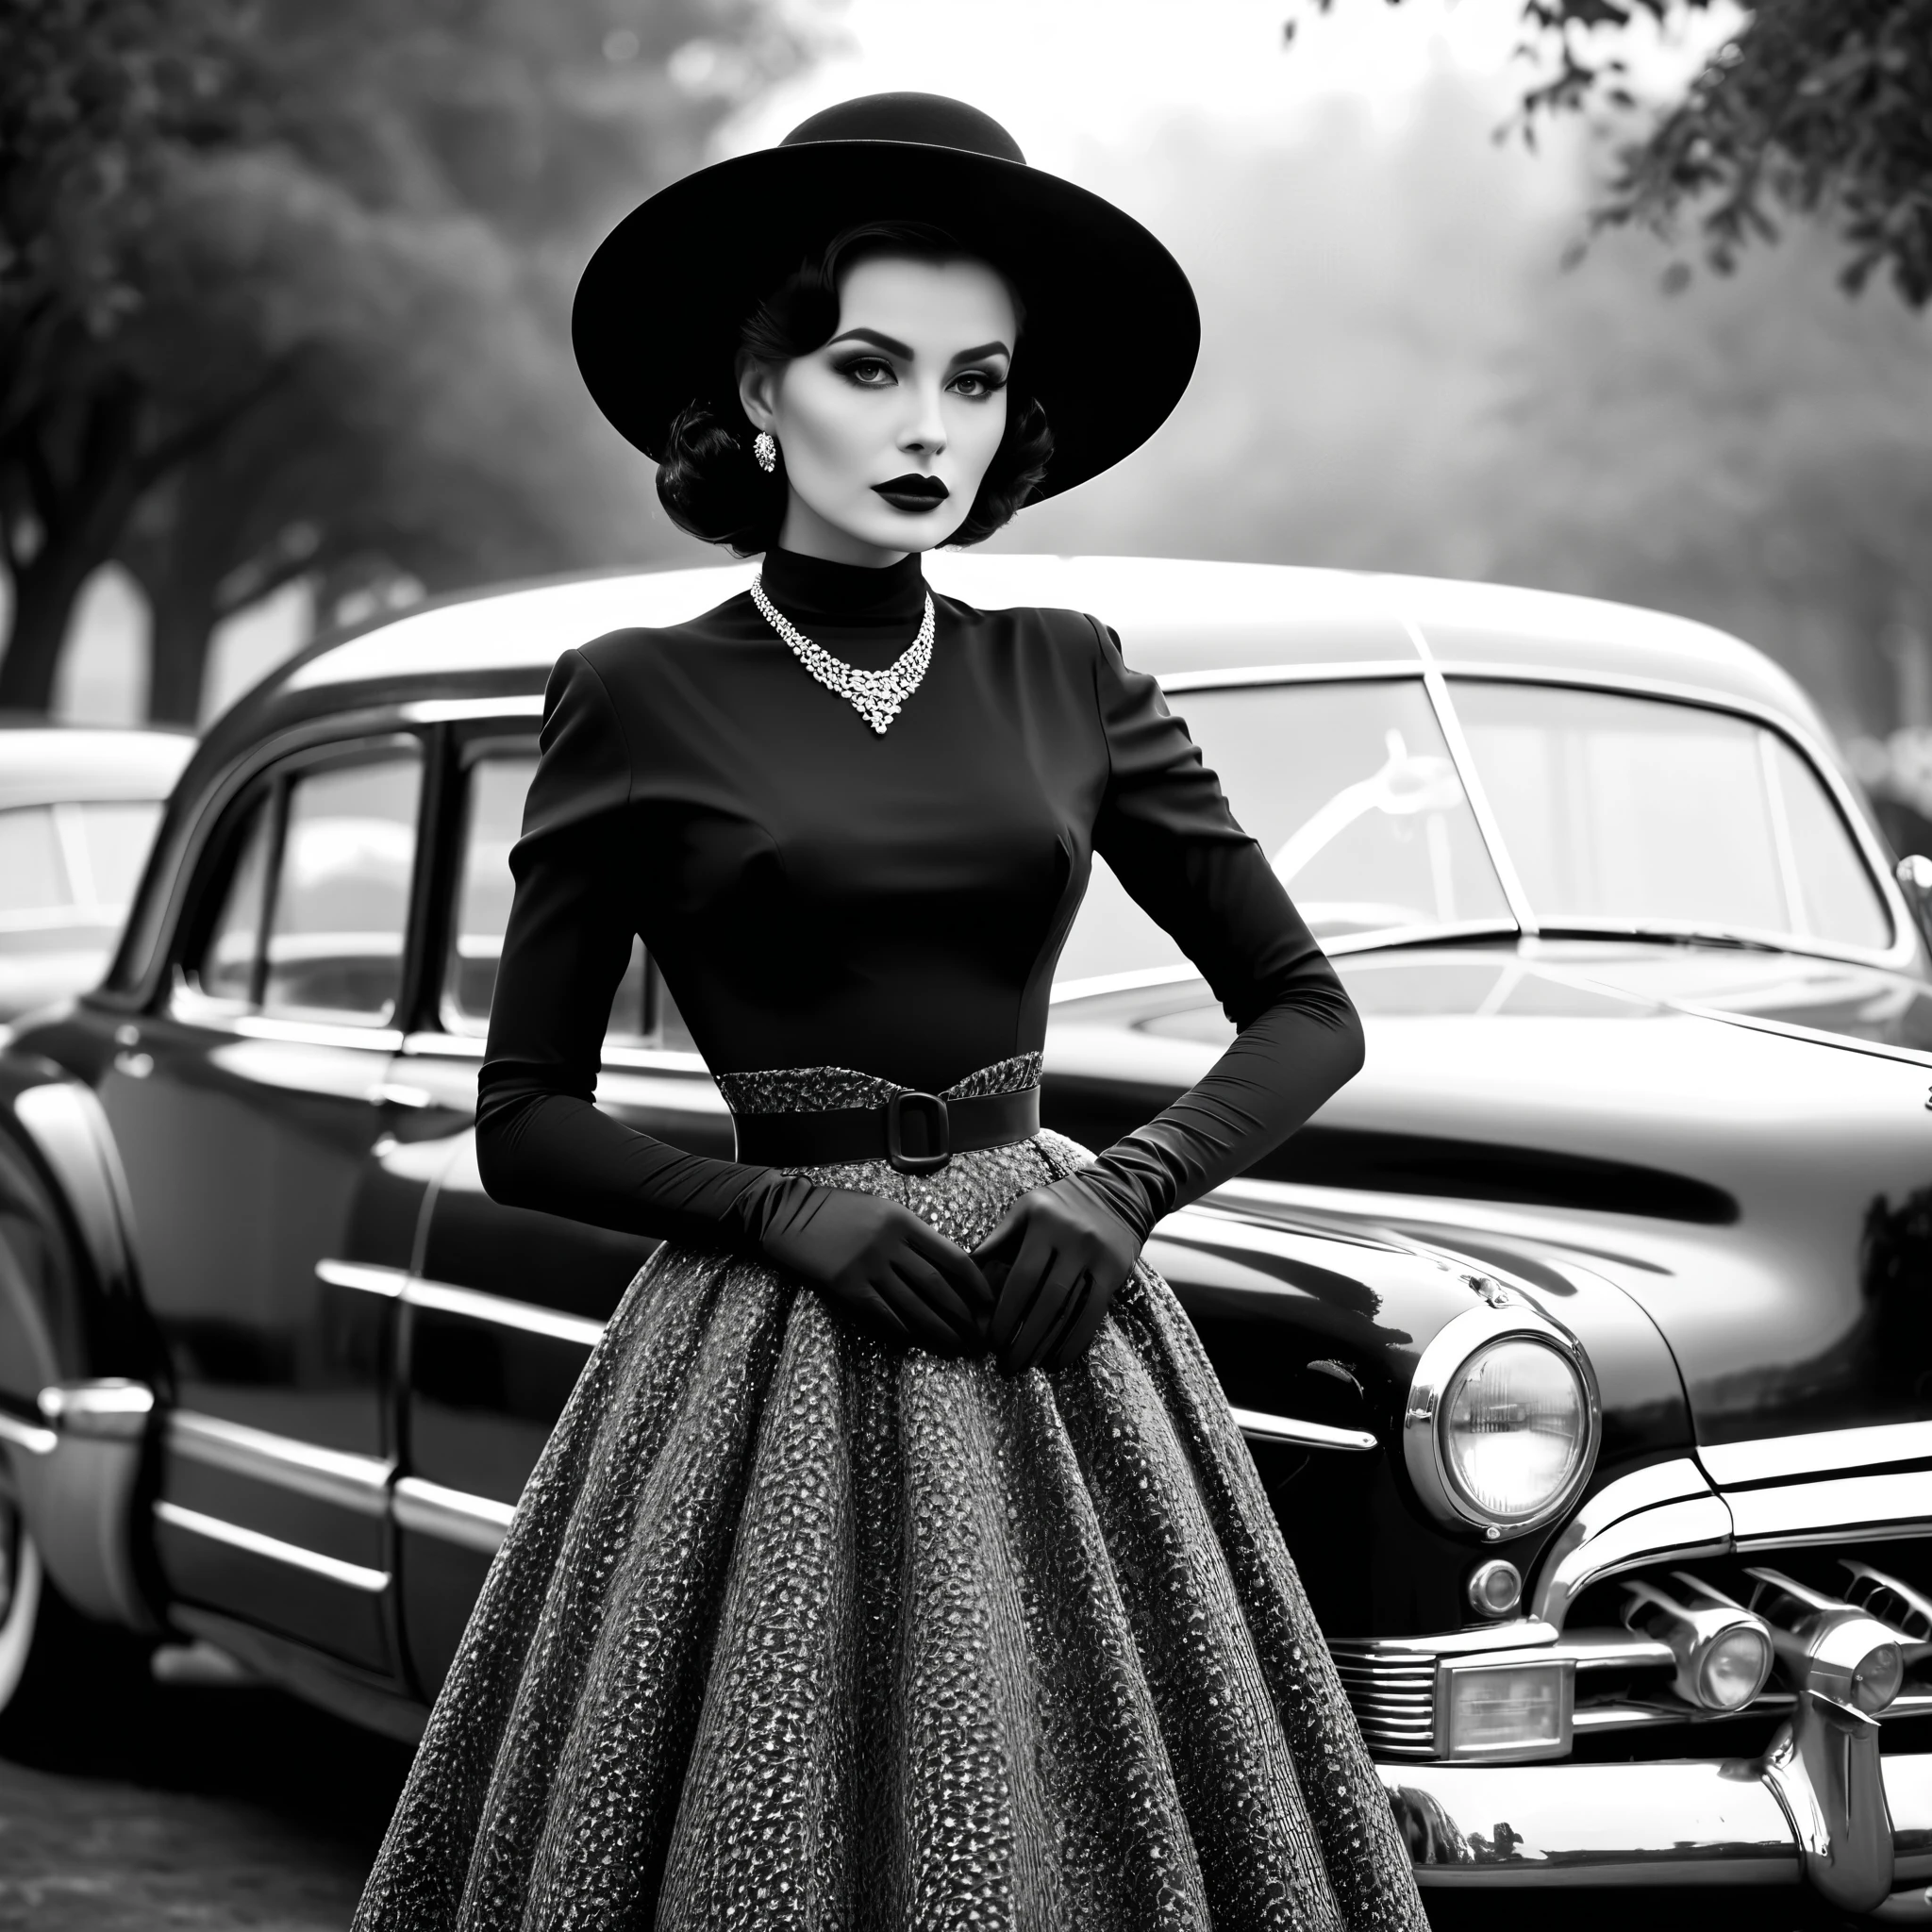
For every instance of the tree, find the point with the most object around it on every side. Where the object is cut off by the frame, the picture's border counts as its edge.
(1818, 108)
(284, 290)
(1396, 375)
(93, 98)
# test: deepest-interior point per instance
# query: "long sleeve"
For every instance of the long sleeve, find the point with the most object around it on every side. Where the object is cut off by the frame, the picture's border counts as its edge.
(1165, 828)
(541, 1141)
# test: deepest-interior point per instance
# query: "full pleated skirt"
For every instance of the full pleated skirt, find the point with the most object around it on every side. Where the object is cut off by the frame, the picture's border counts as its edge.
(795, 1629)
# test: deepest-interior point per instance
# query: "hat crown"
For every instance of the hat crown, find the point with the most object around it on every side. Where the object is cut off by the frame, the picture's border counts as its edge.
(926, 119)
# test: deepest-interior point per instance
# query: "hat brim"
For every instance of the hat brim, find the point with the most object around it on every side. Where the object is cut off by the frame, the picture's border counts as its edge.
(1111, 329)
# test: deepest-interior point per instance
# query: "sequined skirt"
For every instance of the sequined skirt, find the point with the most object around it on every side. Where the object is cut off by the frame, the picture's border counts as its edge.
(794, 1629)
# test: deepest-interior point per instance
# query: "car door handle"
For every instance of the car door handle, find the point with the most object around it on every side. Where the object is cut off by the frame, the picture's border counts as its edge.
(395, 1093)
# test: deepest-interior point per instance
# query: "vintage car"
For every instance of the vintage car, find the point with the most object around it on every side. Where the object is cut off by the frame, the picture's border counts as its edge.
(1584, 1342)
(78, 807)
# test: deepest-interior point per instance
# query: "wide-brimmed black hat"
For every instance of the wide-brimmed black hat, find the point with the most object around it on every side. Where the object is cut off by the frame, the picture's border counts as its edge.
(1110, 331)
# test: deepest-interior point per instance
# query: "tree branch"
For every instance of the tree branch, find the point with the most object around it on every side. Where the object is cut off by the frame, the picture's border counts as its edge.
(194, 438)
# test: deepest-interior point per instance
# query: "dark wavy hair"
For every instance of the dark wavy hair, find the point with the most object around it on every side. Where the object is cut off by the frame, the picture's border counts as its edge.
(709, 483)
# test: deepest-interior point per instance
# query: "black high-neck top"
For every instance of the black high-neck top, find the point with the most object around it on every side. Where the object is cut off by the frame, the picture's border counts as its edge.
(816, 894)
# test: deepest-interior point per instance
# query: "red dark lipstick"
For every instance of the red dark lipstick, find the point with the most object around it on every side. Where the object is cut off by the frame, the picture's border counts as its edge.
(913, 495)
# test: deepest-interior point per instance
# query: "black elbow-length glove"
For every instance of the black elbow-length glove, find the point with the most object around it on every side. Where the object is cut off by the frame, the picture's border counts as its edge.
(878, 1265)
(1056, 1259)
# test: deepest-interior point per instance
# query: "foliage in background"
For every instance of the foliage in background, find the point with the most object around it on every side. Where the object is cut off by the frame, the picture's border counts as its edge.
(1398, 374)
(1818, 108)
(284, 291)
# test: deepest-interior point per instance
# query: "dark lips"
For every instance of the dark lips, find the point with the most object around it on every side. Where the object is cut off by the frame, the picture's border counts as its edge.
(913, 495)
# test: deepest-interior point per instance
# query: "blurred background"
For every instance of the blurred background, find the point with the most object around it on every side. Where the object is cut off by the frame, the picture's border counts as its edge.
(284, 296)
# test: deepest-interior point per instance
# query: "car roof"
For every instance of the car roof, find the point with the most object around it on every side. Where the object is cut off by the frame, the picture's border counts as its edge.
(1174, 616)
(51, 764)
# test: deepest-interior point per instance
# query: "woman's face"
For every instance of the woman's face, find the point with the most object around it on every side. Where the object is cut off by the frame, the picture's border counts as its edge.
(887, 430)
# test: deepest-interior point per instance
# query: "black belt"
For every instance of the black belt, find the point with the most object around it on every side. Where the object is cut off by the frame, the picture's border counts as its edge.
(916, 1132)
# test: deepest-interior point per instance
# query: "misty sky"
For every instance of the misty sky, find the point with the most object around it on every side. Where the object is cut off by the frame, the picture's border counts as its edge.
(1066, 75)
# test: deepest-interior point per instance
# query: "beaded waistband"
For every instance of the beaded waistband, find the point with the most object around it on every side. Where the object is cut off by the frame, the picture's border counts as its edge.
(824, 1089)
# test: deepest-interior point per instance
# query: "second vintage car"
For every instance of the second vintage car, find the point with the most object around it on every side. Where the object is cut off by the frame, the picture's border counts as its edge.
(1582, 1342)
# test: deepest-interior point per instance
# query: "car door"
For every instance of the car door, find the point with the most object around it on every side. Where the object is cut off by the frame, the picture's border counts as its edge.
(504, 1305)
(268, 1163)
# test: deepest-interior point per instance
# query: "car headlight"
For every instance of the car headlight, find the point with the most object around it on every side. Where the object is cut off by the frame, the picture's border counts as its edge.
(1502, 1423)
(1515, 1426)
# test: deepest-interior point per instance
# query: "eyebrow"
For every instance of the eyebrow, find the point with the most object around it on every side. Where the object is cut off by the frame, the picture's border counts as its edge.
(893, 347)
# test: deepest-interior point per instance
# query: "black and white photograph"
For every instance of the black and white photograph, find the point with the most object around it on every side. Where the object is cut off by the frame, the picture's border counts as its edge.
(965, 965)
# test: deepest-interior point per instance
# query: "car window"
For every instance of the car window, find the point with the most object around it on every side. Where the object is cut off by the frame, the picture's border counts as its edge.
(78, 861)
(225, 969)
(642, 1012)
(33, 878)
(341, 902)
(1351, 791)
(110, 842)
(1620, 809)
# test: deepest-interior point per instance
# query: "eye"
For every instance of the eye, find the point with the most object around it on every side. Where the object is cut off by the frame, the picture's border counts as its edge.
(868, 372)
(975, 384)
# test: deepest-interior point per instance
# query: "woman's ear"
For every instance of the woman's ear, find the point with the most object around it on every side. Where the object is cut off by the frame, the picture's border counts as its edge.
(757, 389)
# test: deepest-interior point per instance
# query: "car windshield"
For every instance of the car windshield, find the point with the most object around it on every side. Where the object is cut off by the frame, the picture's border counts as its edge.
(1613, 811)
(71, 863)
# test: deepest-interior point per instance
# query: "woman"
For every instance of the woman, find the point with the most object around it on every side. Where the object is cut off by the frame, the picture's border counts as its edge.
(897, 1561)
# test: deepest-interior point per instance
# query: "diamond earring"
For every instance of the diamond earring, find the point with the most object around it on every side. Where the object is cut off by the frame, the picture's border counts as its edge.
(765, 451)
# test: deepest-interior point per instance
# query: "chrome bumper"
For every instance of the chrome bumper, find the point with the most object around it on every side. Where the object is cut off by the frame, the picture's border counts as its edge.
(1720, 1821)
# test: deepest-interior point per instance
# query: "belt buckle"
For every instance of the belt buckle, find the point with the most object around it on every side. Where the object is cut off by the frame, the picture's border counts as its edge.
(930, 1111)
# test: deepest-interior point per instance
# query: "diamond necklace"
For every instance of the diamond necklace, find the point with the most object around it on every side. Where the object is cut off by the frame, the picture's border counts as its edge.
(875, 695)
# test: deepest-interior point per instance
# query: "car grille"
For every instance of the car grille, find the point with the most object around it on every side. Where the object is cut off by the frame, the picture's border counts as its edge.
(1625, 1700)
(1394, 1699)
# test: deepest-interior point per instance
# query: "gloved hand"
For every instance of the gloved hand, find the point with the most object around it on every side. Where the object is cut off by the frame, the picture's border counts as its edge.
(879, 1265)
(1055, 1260)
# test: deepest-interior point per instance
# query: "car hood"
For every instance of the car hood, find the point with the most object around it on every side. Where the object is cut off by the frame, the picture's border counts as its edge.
(1763, 1196)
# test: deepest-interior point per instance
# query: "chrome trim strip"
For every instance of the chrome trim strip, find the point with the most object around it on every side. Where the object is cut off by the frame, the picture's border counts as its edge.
(445, 1045)
(1642, 1489)
(27, 1437)
(1526, 1640)
(1833, 1512)
(357, 1483)
(447, 1299)
(109, 1409)
(305, 1032)
(454, 1516)
(1666, 1509)
(1617, 1649)
(1772, 1459)
(1525, 1633)
(364, 1276)
(1651, 1717)
(1261, 1427)
(455, 710)
(1816, 1036)
(1377, 670)
(1564, 1824)
(352, 1576)
(1700, 1526)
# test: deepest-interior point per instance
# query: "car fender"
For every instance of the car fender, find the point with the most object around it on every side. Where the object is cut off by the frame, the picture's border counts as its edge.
(76, 1353)
(58, 1159)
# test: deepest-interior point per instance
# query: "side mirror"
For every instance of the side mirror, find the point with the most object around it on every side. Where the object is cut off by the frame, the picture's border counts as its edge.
(1914, 875)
